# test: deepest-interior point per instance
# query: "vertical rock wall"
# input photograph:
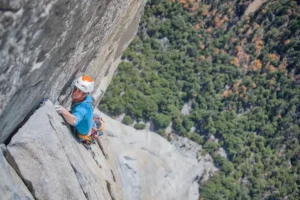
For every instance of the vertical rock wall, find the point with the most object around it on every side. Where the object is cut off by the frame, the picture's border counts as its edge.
(45, 44)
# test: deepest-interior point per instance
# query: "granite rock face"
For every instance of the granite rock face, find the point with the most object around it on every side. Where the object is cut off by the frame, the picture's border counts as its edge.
(190, 149)
(45, 44)
(152, 168)
(54, 165)
(45, 161)
(11, 186)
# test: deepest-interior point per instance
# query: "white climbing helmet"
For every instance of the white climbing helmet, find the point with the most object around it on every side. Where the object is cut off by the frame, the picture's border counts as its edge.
(85, 84)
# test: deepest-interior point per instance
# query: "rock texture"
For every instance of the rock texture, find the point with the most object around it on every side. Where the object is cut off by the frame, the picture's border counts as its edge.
(254, 6)
(45, 44)
(152, 168)
(54, 165)
(192, 150)
(11, 186)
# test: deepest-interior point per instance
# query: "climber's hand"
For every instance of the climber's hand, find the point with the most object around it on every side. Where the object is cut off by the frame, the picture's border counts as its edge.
(60, 110)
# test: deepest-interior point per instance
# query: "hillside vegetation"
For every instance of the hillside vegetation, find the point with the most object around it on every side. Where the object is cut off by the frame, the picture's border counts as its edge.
(240, 73)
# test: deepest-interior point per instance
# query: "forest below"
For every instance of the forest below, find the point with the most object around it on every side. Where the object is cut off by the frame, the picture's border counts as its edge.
(240, 74)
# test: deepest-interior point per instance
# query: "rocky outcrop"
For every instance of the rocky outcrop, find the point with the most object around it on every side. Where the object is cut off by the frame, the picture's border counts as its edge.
(192, 150)
(45, 161)
(253, 6)
(152, 168)
(54, 165)
(45, 44)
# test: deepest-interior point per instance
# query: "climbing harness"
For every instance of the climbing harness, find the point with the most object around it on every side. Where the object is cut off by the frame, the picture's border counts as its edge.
(96, 132)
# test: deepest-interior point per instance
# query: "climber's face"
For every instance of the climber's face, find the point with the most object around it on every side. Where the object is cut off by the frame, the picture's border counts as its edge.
(78, 95)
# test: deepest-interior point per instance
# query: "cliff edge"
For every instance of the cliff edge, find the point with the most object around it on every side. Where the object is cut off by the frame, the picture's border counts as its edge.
(150, 167)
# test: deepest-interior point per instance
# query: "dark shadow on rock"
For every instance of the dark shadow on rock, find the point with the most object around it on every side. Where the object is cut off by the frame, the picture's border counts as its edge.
(109, 190)
(30, 187)
(10, 159)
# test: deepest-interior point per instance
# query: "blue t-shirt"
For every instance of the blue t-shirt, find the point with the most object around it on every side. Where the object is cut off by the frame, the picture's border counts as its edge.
(83, 111)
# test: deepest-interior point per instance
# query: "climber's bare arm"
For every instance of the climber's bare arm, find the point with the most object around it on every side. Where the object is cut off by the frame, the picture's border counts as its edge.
(71, 119)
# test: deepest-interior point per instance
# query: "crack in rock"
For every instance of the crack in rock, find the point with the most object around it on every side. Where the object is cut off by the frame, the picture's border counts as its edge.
(108, 185)
(130, 168)
(79, 178)
(151, 152)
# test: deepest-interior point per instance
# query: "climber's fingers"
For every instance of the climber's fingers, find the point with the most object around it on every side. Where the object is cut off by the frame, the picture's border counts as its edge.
(60, 110)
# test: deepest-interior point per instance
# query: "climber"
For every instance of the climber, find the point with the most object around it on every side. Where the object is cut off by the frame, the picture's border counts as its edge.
(81, 116)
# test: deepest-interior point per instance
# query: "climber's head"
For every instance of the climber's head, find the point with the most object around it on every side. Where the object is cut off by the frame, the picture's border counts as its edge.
(83, 86)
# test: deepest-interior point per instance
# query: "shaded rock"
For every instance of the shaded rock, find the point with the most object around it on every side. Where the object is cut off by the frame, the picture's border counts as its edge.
(152, 168)
(55, 165)
(10, 5)
(11, 185)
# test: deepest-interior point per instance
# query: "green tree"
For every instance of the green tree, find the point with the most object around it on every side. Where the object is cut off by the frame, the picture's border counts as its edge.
(161, 121)
(127, 120)
(139, 126)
